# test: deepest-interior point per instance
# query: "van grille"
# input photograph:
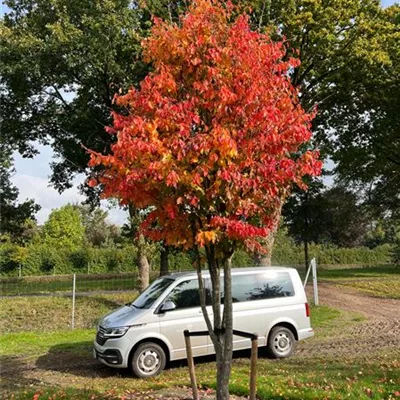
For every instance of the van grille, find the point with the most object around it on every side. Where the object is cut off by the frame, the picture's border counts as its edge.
(100, 339)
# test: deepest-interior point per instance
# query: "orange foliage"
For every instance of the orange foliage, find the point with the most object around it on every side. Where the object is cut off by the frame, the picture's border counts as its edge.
(212, 140)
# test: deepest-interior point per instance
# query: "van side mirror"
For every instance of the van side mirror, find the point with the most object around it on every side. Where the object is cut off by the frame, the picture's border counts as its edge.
(169, 305)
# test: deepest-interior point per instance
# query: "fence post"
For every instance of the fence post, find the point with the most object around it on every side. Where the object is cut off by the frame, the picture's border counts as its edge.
(315, 282)
(253, 368)
(308, 273)
(73, 301)
(190, 361)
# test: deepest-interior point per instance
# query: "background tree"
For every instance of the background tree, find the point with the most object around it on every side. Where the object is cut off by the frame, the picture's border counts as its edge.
(349, 52)
(333, 216)
(382, 231)
(64, 228)
(14, 216)
(98, 231)
(366, 148)
(210, 144)
(61, 64)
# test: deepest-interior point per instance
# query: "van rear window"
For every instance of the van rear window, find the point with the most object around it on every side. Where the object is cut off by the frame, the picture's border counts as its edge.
(268, 285)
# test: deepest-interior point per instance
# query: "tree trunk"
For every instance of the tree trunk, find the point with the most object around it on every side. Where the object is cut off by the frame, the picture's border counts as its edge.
(224, 359)
(164, 253)
(305, 233)
(306, 256)
(140, 243)
(143, 264)
(221, 330)
(265, 260)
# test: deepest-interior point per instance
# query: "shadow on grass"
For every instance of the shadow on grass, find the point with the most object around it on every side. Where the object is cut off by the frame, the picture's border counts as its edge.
(77, 359)
(111, 304)
(12, 377)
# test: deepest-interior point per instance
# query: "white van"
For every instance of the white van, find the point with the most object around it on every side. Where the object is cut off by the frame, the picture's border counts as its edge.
(147, 333)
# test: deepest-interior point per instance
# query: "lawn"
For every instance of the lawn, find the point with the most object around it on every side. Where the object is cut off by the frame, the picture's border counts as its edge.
(384, 271)
(28, 343)
(276, 379)
(381, 281)
(292, 379)
(46, 314)
(55, 362)
(62, 362)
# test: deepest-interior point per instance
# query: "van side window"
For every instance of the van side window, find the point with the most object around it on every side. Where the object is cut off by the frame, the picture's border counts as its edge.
(186, 294)
(269, 285)
(273, 285)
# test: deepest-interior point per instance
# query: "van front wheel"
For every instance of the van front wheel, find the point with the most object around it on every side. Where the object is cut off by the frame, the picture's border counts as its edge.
(148, 360)
(281, 342)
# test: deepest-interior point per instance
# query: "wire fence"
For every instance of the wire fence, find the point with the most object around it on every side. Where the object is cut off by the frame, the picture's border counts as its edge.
(61, 302)
(59, 285)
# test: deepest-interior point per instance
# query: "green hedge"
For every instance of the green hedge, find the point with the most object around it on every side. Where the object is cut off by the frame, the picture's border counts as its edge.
(40, 259)
(43, 260)
(329, 255)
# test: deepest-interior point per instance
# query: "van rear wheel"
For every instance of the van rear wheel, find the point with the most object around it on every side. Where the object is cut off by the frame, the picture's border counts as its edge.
(148, 360)
(281, 342)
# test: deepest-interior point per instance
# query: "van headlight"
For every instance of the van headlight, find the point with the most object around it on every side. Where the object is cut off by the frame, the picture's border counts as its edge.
(115, 332)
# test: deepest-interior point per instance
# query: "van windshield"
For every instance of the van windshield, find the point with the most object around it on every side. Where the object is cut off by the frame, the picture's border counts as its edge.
(152, 293)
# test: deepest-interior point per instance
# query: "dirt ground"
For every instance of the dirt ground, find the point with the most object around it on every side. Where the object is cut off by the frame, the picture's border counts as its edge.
(379, 332)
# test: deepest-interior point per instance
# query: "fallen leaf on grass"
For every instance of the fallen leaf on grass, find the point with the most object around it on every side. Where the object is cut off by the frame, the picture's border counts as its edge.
(368, 391)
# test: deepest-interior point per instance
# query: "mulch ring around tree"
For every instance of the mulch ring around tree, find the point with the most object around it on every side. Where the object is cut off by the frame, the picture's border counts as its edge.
(177, 393)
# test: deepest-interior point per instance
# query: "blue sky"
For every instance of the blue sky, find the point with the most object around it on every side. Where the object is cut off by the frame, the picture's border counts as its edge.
(31, 178)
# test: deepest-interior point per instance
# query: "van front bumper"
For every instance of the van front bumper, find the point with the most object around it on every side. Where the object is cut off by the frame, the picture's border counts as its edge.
(110, 356)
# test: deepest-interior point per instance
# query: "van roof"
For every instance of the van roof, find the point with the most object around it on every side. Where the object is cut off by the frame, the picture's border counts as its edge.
(235, 271)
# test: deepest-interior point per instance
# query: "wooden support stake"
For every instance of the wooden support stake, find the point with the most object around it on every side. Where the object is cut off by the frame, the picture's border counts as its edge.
(253, 369)
(190, 361)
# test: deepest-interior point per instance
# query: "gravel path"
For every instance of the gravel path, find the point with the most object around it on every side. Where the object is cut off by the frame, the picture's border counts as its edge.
(374, 308)
(378, 333)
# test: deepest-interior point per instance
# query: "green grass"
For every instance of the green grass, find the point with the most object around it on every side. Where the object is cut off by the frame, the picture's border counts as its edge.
(372, 377)
(45, 314)
(383, 271)
(375, 281)
(352, 377)
(323, 318)
(375, 377)
(31, 343)
(388, 288)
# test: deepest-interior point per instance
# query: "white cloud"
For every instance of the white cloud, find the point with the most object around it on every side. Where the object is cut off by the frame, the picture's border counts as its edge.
(32, 180)
(116, 215)
(37, 188)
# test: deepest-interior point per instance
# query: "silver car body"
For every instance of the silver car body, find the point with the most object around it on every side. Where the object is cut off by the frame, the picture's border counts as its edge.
(166, 328)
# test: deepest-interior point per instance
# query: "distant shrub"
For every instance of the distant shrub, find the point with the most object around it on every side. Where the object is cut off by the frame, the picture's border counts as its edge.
(395, 254)
(242, 259)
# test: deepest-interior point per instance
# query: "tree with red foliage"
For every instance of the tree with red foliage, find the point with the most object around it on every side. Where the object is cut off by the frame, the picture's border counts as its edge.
(210, 144)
